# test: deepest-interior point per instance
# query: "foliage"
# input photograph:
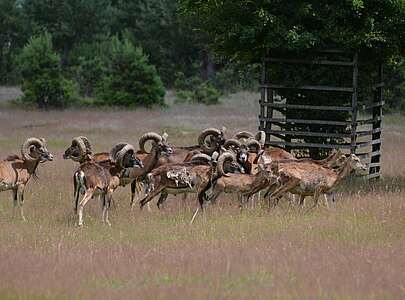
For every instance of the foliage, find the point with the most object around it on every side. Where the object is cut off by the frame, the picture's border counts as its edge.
(11, 38)
(69, 22)
(234, 77)
(130, 79)
(43, 83)
(156, 26)
(195, 90)
(246, 29)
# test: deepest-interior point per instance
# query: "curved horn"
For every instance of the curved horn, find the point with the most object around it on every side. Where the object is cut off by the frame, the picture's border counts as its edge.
(201, 157)
(83, 144)
(120, 154)
(25, 148)
(221, 160)
(251, 143)
(147, 137)
(204, 134)
(243, 135)
(261, 137)
(115, 150)
(232, 142)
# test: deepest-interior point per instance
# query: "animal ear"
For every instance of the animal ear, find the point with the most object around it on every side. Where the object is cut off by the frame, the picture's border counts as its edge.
(165, 136)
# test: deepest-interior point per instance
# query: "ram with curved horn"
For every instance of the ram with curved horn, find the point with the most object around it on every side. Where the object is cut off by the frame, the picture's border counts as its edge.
(246, 152)
(102, 178)
(246, 135)
(80, 150)
(193, 176)
(16, 171)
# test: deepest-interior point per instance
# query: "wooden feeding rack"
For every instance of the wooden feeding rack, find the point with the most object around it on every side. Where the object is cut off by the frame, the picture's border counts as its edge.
(359, 132)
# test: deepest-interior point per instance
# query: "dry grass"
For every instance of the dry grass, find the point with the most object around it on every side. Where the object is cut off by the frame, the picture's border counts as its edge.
(353, 251)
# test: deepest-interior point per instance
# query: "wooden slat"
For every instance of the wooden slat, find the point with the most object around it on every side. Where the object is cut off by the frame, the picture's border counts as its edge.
(377, 141)
(369, 106)
(375, 153)
(309, 145)
(369, 121)
(378, 85)
(310, 87)
(373, 165)
(303, 121)
(373, 175)
(311, 107)
(363, 144)
(310, 62)
(368, 132)
(309, 133)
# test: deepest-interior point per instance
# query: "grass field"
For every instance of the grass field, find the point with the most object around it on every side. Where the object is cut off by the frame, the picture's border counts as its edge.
(355, 250)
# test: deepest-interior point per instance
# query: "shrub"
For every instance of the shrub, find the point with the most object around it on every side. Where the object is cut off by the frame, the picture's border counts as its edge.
(42, 81)
(130, 79)
(207, 94)
(194, 90)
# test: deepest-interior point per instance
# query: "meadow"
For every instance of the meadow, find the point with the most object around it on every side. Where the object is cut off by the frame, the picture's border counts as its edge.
(354, 250)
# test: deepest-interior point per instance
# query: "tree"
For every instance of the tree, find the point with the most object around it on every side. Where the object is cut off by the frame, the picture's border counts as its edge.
(42, 80)
(69, 21)
(130, 79)
(11, 37)
(246, 29)
(156, 26)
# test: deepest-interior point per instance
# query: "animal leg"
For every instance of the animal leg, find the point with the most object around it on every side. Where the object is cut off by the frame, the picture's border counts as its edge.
(162, 199)
(150, 197)
(301, 200)
(133, 191)
(316, 198)
(15, 202)
(20, 195)
(202, 198)
(281, 190)
(106, 205)
(87, 196)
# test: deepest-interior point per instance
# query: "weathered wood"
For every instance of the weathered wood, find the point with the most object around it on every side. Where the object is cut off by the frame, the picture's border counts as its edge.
(304, 121)
(368, 132)
(373, 175)
(310, 107)
(309, 133)
(369, 121)
(324, 88)
(289, 138)
(309, 145)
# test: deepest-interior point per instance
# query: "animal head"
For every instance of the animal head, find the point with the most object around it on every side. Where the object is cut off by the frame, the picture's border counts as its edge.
(227, 163)
(123, 155)
(159, 143)
(211, 139)
(356, 164)
(78, 150)
(35, 149)
(267, 171)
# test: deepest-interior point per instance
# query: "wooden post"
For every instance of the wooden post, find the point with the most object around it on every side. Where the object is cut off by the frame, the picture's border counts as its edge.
(377, 115)
(354, 103)
(262, 95)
